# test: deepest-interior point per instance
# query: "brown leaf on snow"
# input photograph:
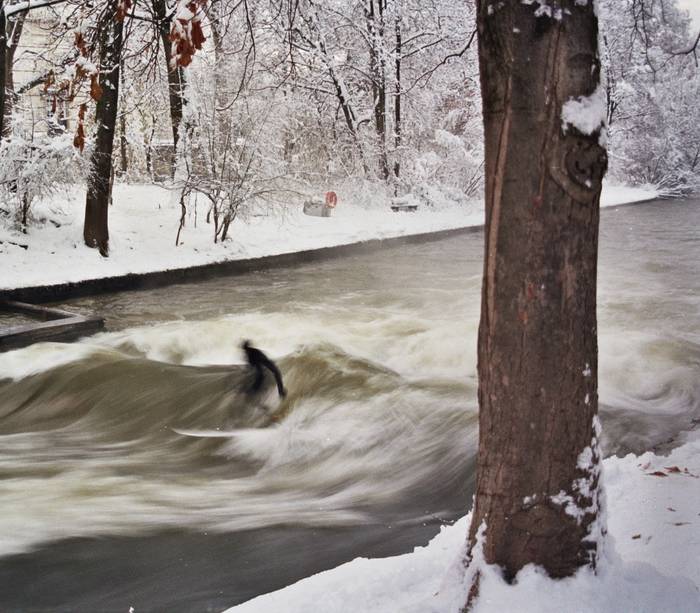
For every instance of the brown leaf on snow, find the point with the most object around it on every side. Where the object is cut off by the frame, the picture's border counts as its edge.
(657, 473)
(673, 469)
(682, 523)
(671, 509)
(637, 536)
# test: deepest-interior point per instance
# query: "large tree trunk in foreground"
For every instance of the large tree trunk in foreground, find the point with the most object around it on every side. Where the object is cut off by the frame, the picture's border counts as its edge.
(95, 230)
(538, 462)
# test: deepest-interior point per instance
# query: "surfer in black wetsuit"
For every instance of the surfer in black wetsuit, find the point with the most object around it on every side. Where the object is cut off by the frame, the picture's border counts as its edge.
(258, 360)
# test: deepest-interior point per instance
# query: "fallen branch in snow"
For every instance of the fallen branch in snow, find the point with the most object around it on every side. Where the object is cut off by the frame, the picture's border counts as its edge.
(15, 244)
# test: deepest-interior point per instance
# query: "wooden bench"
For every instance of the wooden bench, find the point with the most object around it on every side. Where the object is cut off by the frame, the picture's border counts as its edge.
(404, 208)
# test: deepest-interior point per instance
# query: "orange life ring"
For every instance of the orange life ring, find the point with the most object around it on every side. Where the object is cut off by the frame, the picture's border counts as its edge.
(331, 199)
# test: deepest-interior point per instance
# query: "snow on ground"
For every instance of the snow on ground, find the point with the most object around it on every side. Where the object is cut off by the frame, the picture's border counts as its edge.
(650, 564)
(144, 220)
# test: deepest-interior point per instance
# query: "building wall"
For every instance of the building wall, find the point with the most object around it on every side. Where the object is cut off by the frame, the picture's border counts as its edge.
(47, 110)
(39, 49)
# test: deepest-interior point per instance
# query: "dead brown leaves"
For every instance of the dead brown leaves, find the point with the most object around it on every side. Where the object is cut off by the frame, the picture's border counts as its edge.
(79, 138)
(187, 33)
(123, 7)
(670, 470)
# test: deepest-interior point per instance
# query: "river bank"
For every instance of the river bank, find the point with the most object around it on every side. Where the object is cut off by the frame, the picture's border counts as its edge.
(51, 262)
(373, 451)
(649, 564)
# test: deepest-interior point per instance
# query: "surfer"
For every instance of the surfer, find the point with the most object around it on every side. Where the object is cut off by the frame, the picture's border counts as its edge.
(258, 360)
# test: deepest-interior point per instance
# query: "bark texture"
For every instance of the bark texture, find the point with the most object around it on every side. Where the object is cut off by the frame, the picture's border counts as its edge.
(3, 66)
(537, 484)
(95, 229)
(175, 74)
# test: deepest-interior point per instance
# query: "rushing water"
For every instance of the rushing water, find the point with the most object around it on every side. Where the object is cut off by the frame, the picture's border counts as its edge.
(105, 503)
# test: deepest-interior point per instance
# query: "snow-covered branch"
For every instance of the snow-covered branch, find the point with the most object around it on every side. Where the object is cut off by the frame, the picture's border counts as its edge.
(29, 5)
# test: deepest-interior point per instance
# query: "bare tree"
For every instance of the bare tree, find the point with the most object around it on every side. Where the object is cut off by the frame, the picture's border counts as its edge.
(397, 96)
(222, 161)
(312, 40)
(538, 462)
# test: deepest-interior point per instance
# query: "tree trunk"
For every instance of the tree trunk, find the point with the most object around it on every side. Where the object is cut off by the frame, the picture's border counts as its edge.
(123, 154)
(148, 142)
(175, 74)
(538, 462)
(123, 145)
(95, 230)
(3, 66)
(375, 31)
(397, 103)
(15, 25)
(222, 100)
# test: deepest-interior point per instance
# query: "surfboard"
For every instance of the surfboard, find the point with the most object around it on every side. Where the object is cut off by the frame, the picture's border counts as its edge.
(211, 433)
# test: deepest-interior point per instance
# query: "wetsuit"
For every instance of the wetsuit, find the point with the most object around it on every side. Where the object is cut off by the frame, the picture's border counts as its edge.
(258, 360)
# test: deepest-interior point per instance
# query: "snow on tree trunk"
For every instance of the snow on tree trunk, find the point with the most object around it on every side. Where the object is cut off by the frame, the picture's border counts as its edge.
(3, 75)
(538, 461)
(377, 70)
(397, 103)
(95, 229)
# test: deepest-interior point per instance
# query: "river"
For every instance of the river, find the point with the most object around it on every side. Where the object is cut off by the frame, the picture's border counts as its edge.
(107, 501)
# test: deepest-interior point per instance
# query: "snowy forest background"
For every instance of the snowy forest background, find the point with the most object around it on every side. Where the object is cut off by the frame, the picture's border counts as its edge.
(292, 97)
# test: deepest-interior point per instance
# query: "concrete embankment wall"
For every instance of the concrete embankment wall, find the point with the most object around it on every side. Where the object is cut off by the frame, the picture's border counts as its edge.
(64, 291)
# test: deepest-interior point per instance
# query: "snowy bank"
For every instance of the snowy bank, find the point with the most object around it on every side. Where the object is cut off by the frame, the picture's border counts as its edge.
(144, 221)
(650, 564)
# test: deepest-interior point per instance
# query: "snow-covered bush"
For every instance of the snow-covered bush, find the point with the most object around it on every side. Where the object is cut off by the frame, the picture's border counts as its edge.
(33, 168)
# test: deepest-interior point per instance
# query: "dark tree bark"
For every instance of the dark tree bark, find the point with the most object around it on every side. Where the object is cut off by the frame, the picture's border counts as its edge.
(123, 154)
(95, 229)
(375, 31)
(397, 103)
(175, 74)
(3, 66)
(538, 462)
(148, 142)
